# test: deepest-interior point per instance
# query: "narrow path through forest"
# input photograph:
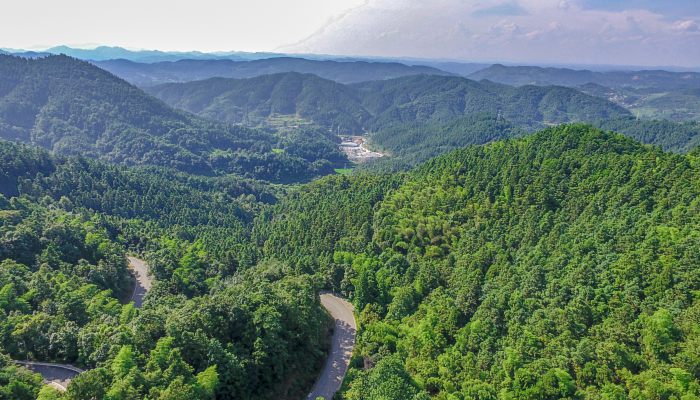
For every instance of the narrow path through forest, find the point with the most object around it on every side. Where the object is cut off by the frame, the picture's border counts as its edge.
(341, 349)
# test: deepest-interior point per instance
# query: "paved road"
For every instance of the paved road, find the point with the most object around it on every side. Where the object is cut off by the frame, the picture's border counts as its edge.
(57, 375)
(343, 342)
(143, 280)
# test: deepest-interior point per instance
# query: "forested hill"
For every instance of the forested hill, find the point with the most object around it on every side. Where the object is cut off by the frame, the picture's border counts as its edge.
(73, 107)
(143, 74)
(532, 75)
(560, 265)
(650, 94)
(66, 224)
(426, 98)
(251, 101)
(375, 105)
(680, 137)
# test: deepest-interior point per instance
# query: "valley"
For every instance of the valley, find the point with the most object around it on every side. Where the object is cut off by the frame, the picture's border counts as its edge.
(291, 228)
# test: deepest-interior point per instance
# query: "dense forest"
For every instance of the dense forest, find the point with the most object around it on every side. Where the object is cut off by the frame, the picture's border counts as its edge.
(680, 137)
(253, 101)
(65, 227)
(72, 107)
(561, 265)
(376, 105)
(558, 265)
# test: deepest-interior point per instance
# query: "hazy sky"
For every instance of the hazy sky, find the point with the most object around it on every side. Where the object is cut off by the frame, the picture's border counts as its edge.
(639, 32)
(205, 25)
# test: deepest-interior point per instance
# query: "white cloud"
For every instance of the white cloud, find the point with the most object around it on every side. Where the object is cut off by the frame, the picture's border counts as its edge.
(687, 26)
(538, 30)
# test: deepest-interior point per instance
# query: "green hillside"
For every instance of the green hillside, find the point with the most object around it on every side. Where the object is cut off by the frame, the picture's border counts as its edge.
(651, 94)
(252, 101)
(378, 104)
(680, 137)
(561, 265)
(72, 107)
(427, 98)
(410, 118)
(533, 75)
(66, 225)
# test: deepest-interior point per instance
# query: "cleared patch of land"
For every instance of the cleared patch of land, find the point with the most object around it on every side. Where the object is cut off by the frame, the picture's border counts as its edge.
(355, 149)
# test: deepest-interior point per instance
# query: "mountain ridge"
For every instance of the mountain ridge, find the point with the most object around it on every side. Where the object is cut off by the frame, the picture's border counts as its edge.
(73, 107)
(142, 74)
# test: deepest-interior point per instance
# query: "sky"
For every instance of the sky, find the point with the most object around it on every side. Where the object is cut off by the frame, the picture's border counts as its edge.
(183, 25)
(623, 32)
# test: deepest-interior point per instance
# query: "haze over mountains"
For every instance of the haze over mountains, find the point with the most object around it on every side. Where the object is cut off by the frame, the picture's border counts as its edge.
(374, 200)
(647, 93)
(72, 107)
(415, 117)
(371, 105)
(422, 113)
(532, 75)
(499, 248)
(188, 70)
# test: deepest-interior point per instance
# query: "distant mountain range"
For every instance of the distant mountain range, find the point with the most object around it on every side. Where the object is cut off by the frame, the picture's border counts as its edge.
(102, 53)
(651, 94)
(189, 70)
(530, 75)
(374, 105)
(417, 117)
(72, 107)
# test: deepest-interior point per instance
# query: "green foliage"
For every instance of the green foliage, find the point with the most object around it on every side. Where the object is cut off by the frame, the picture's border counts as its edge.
(17, 383)
(651, 94)
(671, 136)
(49, 393)
(527, 75)
(412, 143)
(75, 108)
(208, 381)
(560, 265)
(387, 380)
(199, 335)
(253, 100)
(436, 99)
(310, 224)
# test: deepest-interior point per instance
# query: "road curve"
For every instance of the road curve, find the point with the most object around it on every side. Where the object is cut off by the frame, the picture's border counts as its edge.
(143, 280)
(60, 375)
(341, 349)
(56, 375)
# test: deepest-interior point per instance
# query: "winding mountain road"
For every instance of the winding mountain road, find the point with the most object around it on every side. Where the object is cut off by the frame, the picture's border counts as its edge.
(328, 383)
(341, 350)
(59, 375)
(56, 375)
